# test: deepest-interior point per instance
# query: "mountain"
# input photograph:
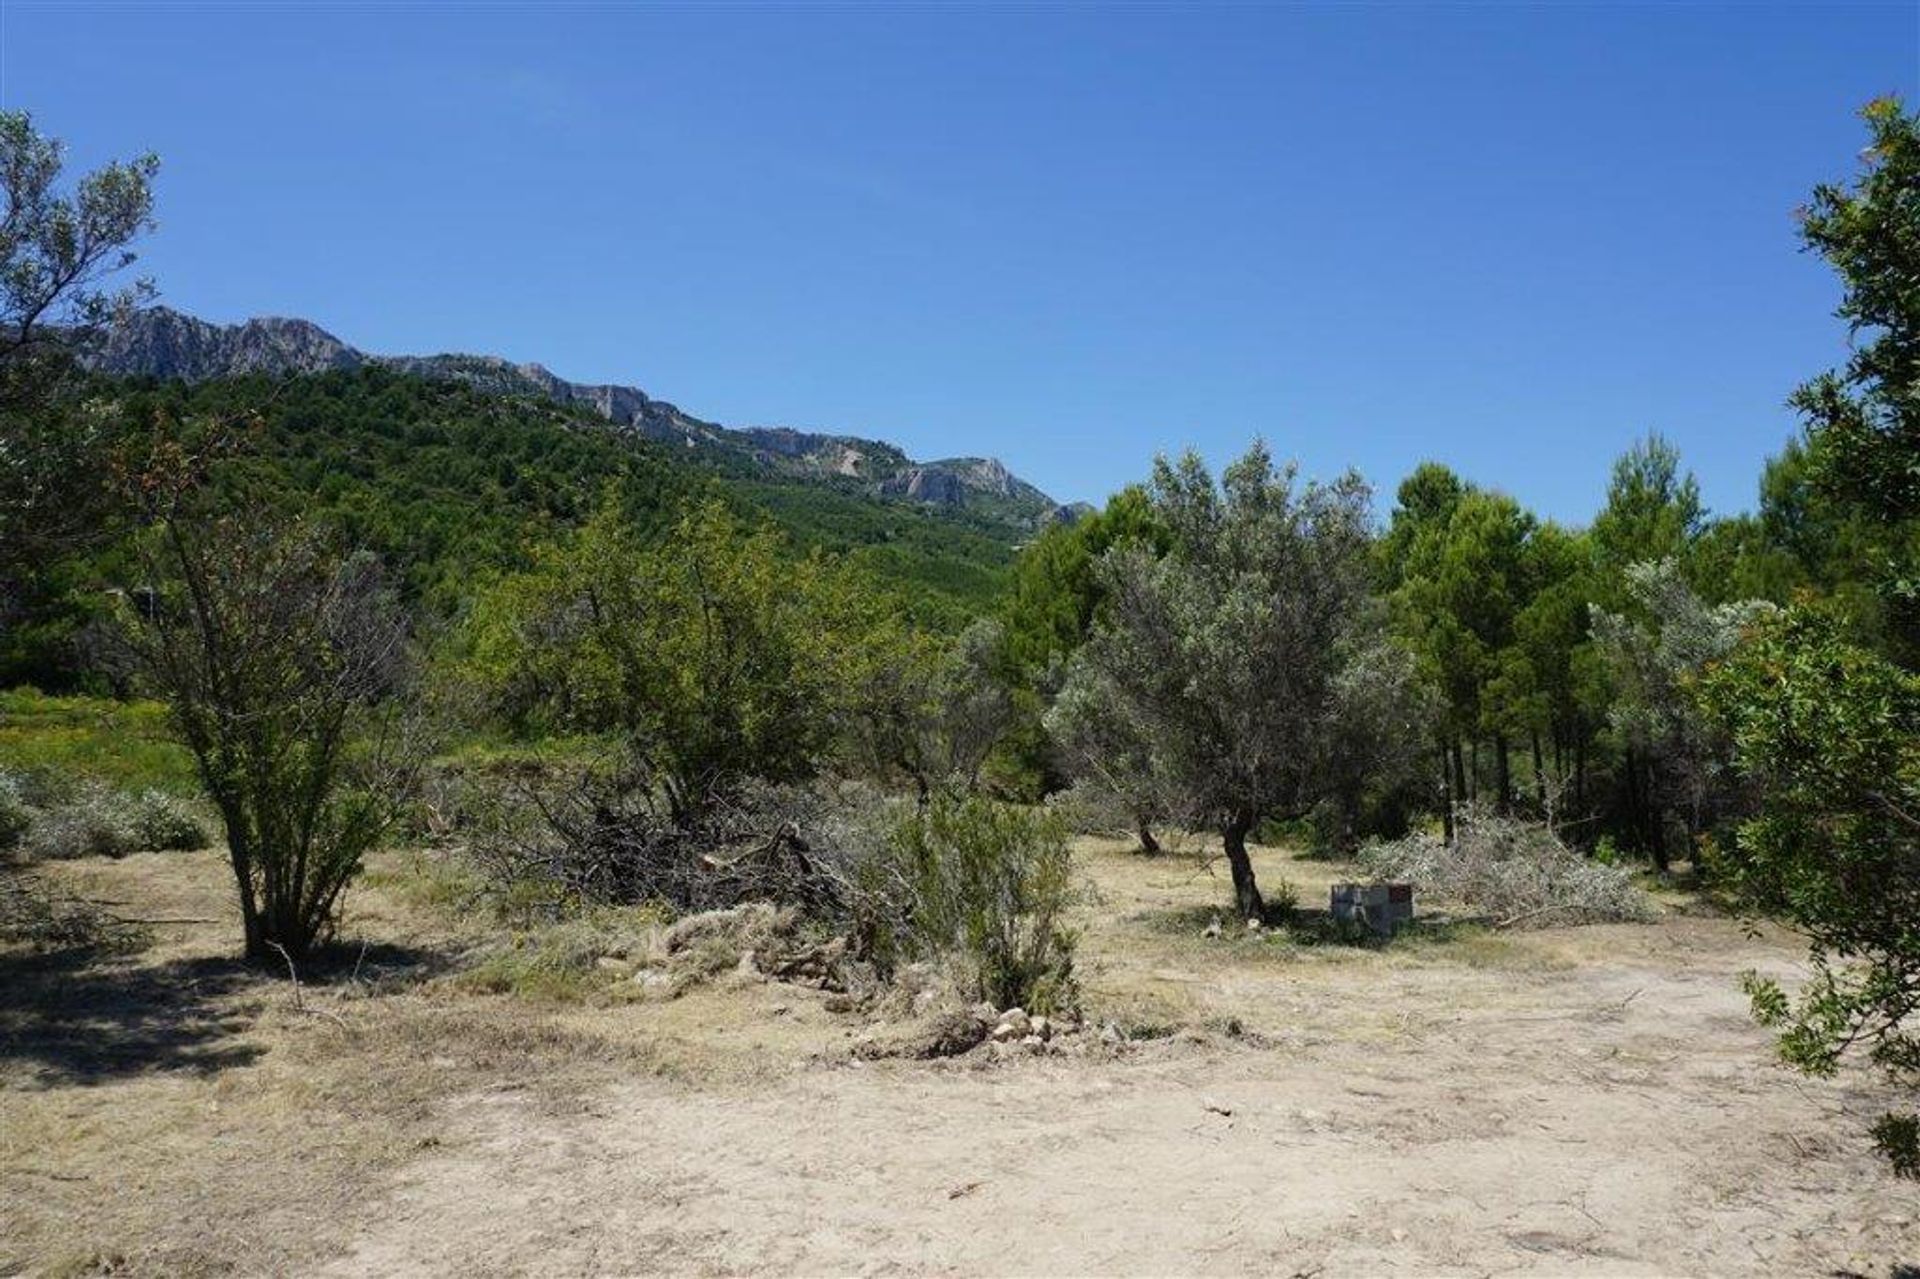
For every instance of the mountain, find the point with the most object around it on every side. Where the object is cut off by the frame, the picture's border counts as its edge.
(168, 345)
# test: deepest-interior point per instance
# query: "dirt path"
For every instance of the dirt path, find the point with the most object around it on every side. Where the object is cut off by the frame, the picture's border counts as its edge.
(1570, 1101)
(1428, 1120)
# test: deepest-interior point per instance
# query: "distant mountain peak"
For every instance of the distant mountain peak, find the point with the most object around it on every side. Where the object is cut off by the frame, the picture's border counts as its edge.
(164, 343)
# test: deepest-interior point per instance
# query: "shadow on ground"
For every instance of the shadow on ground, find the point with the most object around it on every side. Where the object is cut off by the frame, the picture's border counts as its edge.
(72, 1017)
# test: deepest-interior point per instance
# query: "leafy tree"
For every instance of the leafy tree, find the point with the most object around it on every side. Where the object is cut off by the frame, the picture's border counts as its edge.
(1105, 746)
(1228, 651)
(1658, 658)
(1565, 676)
(1828, 729)
(282, 662)
(714, 655)
(931, 710)
(1831, 734)
(1863, 420)
(1462, 581)
(1653, 512)
(58, 251)
(1056, 591)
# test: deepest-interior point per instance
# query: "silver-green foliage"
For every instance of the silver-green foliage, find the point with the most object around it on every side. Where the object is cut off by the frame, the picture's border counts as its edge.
(986, 887)
(1224, 666)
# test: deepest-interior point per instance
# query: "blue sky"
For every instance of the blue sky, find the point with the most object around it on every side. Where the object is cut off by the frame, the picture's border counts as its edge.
(1511, 237)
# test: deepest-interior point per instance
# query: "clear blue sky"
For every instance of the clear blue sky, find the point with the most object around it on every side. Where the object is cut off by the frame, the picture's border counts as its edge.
(1512, 237)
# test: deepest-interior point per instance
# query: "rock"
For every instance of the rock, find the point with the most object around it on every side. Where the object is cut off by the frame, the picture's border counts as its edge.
(1254, 925)
(1211, 931)
(1032, 1041)
(1017, 1022)
(1004, 1033)
(1110, 1034)
(1041, 1027)
(653, 982)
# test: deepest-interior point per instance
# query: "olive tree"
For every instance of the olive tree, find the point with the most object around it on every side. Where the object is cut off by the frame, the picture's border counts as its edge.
(1105, 747)
(1229, 653)
(1677, 760)
(60, 247)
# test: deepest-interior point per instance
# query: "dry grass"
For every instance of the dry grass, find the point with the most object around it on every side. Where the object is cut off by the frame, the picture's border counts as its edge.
(176, 1112)
(172, 1112)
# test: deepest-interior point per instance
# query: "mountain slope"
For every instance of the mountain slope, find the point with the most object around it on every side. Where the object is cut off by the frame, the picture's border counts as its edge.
(449, 483)
(167, 344)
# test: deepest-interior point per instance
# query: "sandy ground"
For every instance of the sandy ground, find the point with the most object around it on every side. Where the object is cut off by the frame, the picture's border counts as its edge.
(1568, 1101)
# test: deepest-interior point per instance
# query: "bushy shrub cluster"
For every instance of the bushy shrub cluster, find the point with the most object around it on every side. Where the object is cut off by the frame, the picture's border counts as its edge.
(1515, 871)
(984, 886)
(48, 820)
(15, 816)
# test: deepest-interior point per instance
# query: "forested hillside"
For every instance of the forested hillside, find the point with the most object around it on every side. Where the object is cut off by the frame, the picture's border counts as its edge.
(450, 484)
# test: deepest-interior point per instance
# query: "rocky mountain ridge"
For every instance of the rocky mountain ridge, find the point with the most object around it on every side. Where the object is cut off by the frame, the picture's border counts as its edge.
(168, 344)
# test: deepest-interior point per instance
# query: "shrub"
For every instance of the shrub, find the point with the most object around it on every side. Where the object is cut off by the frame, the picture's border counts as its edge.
(990, 885)
(1516, 871)
(164, 823)
(93, 822)
(15, 816)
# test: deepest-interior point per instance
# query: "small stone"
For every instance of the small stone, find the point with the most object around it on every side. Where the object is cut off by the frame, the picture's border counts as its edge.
(1110, 1034)
(1399, 1236)
(1033, 1041)
(1017, 1020)
(1253, 925)
(1042, 1028)
(1211, 931)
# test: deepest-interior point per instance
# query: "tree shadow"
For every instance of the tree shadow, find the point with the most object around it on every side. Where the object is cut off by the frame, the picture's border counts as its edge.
(74, 1019)
(71, 1017)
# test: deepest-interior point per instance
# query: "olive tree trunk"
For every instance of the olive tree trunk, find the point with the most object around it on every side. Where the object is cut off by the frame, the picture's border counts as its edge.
(1246, 893)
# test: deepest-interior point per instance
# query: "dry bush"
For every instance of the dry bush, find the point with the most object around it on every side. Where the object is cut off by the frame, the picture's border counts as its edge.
(550, 843)
(1515, 871)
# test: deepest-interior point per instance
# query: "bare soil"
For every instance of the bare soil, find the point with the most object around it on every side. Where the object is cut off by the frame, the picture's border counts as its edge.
(1563, 1101)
